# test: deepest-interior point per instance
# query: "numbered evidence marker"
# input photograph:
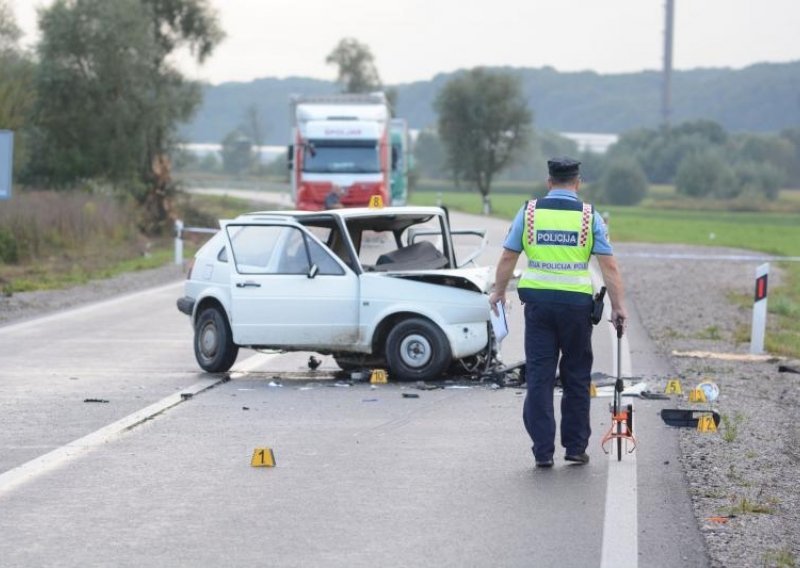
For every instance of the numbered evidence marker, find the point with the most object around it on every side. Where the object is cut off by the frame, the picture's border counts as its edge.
(706, 423)
(378, 377)
(263, 457)
(375, 202)
(673, 387)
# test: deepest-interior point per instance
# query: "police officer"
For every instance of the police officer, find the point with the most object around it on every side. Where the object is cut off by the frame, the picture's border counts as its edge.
(558, 233)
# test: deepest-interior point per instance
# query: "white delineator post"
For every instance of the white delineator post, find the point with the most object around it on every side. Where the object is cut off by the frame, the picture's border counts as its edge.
(178, 241)
(759, 310)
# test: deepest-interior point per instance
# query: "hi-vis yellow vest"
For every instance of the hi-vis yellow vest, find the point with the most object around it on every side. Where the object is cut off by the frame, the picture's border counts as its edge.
(557, 238)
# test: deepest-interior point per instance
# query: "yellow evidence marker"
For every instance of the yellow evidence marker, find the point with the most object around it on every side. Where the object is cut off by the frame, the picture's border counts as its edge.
(697, 395)
(706, 423)
(263, 457)
(375, 202)
(592, 390)
(673, 387)
(378, 377)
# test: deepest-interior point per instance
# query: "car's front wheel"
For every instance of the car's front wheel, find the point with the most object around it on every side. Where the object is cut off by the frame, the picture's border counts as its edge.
(213, 341)
(417, 350)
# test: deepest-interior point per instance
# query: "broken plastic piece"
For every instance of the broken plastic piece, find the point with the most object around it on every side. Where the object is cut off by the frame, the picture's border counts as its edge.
(102, 400)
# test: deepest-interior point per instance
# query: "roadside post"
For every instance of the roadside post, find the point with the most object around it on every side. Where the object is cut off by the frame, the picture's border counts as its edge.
(178, 241)
(6, 162)
(759, 310)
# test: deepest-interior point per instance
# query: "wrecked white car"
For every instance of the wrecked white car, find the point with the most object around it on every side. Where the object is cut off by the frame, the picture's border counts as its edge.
(372, 287)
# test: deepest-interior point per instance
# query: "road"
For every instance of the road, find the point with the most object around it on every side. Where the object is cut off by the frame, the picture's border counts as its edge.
(364, 476)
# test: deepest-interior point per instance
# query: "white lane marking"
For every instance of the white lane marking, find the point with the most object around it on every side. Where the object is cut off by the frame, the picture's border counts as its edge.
(251, 363)
(620, 548)
(51, 460)
(620, 525)
(42, 320)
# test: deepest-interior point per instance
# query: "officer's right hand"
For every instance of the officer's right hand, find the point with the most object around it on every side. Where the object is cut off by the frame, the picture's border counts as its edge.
(619, 317)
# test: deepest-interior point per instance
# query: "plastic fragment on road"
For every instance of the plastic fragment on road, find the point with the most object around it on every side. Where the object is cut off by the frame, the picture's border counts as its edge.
(274, 384)
(788, 369)
(98, 400)
(263, 457)
(673, 387)
(710, 389)
(410, 395)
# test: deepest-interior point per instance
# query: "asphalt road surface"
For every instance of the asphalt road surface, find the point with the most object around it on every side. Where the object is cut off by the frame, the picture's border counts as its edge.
(161, 475)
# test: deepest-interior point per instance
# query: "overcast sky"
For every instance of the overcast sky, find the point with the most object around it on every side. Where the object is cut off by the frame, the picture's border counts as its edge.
(416, 39)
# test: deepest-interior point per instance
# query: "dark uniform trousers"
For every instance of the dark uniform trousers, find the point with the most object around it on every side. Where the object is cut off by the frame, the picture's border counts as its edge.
(552, 328)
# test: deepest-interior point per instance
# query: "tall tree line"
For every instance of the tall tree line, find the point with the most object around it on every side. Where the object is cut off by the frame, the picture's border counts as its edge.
(107, 100)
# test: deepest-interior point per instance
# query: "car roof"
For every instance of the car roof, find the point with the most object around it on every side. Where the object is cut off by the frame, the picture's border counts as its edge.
(349, 212)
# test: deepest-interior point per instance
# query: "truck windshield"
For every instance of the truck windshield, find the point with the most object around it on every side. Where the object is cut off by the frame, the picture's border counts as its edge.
(341, 157)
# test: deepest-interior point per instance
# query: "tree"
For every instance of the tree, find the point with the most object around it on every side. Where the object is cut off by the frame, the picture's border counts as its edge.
(705, 174)
(357, 71)
(429, 155)
(16, 85)
(237, 153)
(110, 101)
(623, 183)
(9, 30)
(484, 123)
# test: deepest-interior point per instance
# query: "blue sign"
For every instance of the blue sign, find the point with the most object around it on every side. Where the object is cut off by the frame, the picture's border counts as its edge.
(6, 162)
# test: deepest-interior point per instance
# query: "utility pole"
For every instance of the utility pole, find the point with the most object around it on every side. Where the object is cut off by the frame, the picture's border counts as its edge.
(666, 93)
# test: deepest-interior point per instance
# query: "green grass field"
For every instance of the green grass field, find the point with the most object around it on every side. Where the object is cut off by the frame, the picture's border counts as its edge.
(771, 232)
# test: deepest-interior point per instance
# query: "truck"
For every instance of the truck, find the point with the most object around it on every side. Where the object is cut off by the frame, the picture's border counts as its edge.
(340, 140)
(401, 158)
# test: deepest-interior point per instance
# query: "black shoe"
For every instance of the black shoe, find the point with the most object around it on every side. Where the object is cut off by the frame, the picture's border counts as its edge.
(544, 463)
(579, 459)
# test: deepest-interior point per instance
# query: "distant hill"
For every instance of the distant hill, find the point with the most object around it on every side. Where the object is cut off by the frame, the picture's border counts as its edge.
(760, 98)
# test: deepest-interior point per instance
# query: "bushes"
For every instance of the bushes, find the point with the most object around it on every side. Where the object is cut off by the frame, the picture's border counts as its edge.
(9, 253)
(35, 224)
(622, 183)
(705, 174)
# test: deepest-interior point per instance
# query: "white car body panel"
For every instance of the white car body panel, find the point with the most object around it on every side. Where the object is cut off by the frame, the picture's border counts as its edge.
(335, 313)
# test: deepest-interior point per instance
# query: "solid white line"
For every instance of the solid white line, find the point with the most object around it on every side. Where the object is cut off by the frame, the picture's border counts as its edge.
(620, 534)
(42, 320)
(55, 458)
(252, 363)
(620, 548)
(51, 460)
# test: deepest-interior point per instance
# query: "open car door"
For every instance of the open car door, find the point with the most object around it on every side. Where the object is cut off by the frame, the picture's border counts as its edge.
(287, 288)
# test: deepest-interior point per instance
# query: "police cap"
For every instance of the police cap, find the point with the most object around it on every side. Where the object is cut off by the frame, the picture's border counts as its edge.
(563, 168)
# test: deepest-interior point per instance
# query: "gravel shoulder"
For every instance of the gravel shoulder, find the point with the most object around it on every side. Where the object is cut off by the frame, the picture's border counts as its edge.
(743, 479)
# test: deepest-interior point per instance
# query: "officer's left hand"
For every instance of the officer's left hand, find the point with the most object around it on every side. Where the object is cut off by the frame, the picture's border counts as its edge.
(495, 297)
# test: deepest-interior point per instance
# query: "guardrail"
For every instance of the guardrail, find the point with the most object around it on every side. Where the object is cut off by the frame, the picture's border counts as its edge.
(179, 231)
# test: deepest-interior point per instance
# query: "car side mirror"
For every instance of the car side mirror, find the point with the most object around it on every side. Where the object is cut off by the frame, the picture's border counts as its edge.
(312, 272)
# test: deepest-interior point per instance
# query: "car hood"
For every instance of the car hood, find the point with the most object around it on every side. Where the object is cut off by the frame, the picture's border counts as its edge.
(478, 279)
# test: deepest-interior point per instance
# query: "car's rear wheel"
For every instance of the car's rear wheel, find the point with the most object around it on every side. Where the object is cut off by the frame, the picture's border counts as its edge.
(213, 341)
(417, 350)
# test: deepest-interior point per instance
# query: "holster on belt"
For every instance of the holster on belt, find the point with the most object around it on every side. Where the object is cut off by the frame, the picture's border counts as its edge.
(597, 306)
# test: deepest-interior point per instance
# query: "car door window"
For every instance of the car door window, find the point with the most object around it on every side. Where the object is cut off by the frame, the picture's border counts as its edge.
(272, 249)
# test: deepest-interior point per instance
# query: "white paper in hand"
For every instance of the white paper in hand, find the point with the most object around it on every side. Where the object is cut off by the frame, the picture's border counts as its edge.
(499, 322)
